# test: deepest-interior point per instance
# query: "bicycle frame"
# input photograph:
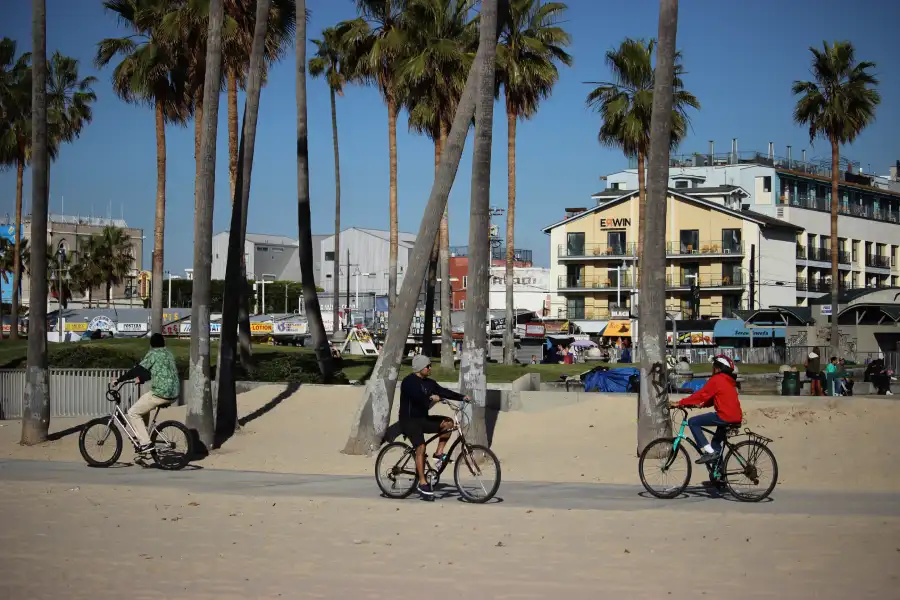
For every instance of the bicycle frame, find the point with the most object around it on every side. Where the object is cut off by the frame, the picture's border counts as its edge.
(120, 418)
(460, 439)
(714, 468)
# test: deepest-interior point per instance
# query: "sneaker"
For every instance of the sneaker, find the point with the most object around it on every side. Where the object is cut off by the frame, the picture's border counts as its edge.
(425, 492)
(145, 449)
(707, 457)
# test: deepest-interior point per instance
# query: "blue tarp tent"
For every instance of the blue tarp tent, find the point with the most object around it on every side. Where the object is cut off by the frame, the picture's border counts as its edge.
(737, 329)
(614, 380)
(694, 384)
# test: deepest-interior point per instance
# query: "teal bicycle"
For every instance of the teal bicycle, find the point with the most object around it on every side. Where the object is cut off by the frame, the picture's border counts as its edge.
(748, 468)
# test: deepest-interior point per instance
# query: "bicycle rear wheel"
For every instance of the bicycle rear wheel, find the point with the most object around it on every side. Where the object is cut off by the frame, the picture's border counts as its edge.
(748, 466)
(100, 442)
(671, 467)
(480, 463)
(172, 445)
(395, 470)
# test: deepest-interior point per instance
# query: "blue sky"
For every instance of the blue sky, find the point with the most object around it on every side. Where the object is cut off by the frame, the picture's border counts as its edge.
(741, 58)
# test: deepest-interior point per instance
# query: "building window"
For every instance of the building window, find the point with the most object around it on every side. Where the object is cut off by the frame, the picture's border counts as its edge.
(573, 276)
(681, 184)
(731, 241)
(767, 183)
(690, 241)
(263, 248)
(575, 244)
(575, 308)
(616, 242)
(614, 186)
(729, 305)
(329, 256)
(465, 281)
(277, 249)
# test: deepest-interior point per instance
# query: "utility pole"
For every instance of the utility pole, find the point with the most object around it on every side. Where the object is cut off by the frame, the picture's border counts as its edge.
(752, 276)
(348, 288)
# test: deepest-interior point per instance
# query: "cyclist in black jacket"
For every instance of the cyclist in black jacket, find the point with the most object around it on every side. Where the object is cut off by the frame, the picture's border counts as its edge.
(417, 394)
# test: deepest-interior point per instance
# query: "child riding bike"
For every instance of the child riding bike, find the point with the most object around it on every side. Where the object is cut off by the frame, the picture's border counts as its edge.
(721, 392)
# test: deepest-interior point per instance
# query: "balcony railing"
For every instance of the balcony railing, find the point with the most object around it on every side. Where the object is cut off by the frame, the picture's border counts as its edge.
(878, 262)
(821, 254)
(704, 281)
(588, 314)
(716, 247)
(597, 250)
(821, 286)
(594, 282)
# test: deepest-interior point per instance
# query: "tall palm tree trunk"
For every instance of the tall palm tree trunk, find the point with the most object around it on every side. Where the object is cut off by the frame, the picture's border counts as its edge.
(159, 225)
(653, 421)
(472, 375)
(394, 232)
(199, 403)
(336, 275)
(446, 285)
(835, 208)
(642, 202)
(431, 277)
(304, 217)
(36, 405)
(509, 335)
(244, 340)
(226, 404)
(372, 417)
(17, 253)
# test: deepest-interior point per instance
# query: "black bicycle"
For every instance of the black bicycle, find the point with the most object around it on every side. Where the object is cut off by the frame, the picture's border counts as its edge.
(100, 441)
(746, 463)
(395, 467)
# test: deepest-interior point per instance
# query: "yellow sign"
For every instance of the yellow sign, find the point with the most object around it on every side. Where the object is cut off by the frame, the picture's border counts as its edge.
(260, 328)
(618, 329)
(75, 326)
(144, 284)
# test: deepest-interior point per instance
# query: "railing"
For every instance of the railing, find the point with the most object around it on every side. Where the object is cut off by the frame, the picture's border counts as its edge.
(598, 250)
(822, 287)
(704, 281)
(822, 255)
(590, 314)
(594, 282)
(821, 204)
(878, 262)
(716, 247)
(73, 392)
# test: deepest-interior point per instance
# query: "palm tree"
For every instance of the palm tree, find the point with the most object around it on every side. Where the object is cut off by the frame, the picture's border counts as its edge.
(472, 375)
(36, 404)
(330, 63)
(199, 413)
(69, 99)
(238, 42)
(625, 106)
(7, 266)
(371, 420)
(235, 280)
(653, 421)
(304, 216)
(527, 56)
(377, 41)
(837, 106)
(441, 47)
(85, 275)
(152, 71)
(111, 254)
(15, 142)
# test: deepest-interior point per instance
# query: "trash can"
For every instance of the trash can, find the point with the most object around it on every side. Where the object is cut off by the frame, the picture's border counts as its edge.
(790, 383)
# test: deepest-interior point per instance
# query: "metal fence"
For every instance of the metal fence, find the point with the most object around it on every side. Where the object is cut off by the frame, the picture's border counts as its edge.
(777, 355)
(73, 392)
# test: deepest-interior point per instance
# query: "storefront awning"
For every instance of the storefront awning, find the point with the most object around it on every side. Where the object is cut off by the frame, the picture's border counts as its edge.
(591, 327)
(618, 329)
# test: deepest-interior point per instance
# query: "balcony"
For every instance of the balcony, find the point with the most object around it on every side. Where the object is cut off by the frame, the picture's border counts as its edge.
(598, 251)
(821, 286)
(821, 255)
(589, 314)
(714, 248)
(685, 281)
(878, 262)
(589, 283)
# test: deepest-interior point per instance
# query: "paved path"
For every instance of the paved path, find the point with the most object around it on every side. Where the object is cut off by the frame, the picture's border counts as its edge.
(512, 494)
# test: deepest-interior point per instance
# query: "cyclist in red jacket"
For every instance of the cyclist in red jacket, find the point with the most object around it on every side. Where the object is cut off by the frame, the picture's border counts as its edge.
(720, 391)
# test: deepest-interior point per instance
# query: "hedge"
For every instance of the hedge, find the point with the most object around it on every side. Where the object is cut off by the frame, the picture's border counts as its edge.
(270, 366)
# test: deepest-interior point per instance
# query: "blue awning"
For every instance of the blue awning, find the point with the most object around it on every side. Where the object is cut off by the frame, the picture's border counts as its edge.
(736, 328)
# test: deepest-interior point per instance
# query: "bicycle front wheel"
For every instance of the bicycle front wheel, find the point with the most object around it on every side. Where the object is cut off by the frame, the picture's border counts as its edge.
(665, 471)
(100, 442)
(481, 465)
(171, 445)
(395, 470)
(751, 471)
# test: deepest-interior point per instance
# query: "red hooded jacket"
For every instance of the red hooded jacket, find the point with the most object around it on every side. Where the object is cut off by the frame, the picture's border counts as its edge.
(720, 391)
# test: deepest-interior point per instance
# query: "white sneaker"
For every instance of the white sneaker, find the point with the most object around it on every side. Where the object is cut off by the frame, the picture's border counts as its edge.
(889, 393)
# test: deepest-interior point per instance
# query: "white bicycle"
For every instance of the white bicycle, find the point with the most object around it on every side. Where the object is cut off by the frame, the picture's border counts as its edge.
(100, 441)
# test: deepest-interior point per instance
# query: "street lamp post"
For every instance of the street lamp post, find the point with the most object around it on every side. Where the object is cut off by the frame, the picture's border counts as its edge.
(263, 282)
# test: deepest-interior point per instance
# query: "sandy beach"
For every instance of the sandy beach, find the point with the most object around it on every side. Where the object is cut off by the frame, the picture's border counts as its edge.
(817, 441)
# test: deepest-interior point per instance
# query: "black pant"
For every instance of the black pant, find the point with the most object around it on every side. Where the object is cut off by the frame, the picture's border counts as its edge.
(415, 429)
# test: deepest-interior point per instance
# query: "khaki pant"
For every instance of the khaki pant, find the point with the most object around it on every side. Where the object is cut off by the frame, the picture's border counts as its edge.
(139, 411)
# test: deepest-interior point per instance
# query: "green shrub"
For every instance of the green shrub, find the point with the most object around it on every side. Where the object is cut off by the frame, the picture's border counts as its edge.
(85, 355)
(287, 366)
